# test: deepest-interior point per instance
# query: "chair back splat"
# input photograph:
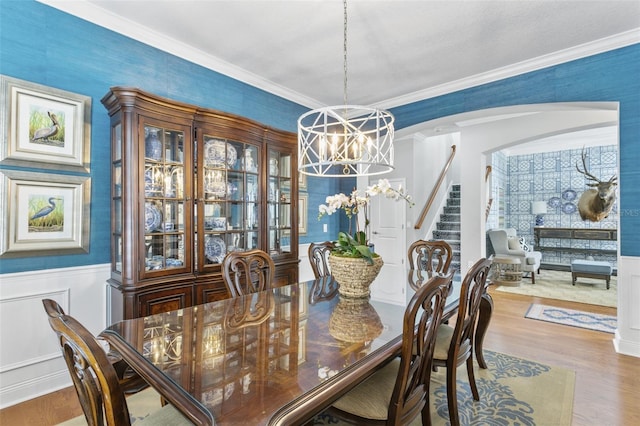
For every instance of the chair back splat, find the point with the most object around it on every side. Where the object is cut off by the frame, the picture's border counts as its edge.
(247, 272)
(93, 376)
(398, 393)
(432, 256)
(318, 257)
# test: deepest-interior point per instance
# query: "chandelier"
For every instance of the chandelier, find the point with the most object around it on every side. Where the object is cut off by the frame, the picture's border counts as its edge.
(345, 140)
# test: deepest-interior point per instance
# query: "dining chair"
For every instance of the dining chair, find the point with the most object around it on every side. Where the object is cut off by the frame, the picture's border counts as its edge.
(96, 382)
(454, 345)
(398, 393)
(247, 272)
(129, 380)
(318, 257)
(431, 256)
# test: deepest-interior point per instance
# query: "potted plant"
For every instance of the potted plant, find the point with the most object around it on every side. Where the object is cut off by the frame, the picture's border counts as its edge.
(353, 263)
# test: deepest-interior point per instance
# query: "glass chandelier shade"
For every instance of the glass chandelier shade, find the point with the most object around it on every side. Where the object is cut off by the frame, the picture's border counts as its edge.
(345, 140)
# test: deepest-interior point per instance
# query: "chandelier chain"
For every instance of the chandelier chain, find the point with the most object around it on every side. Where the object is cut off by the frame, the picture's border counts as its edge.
(345, 53)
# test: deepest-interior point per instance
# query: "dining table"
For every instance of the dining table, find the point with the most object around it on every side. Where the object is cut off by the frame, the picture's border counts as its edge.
(277, 357)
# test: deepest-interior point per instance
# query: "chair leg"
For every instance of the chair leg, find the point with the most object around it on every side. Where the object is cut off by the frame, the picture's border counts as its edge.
(452, 395)
(533, 277)
(426, 412)
(472, 379)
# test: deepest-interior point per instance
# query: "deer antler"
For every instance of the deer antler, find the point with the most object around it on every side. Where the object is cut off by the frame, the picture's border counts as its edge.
(585, 172)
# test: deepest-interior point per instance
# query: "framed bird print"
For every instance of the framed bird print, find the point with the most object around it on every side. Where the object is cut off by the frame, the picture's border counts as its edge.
(45, 125)
(43, 213)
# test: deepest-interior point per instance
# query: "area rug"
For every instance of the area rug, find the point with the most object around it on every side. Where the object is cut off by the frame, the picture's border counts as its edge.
(513, 391)
(557, 285)
(572, 317)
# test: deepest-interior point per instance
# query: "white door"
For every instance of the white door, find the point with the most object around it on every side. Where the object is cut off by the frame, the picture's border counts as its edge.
(387, 226)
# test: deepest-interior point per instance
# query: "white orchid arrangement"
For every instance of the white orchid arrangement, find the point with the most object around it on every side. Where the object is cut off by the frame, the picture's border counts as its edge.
(358, 244)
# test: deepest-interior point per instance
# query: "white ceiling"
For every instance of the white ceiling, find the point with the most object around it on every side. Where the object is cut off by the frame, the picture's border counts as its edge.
(398, 51)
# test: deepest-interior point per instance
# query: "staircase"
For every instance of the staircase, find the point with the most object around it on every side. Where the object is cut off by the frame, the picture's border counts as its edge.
(448, 228)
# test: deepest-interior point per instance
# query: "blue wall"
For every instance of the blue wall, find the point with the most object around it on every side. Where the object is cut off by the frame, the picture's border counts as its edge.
(45, 46)
(609, 76)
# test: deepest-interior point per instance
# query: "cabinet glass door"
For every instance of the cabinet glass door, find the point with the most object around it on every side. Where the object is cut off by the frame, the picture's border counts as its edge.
(230, 199)
(279, 202)
(165, 198)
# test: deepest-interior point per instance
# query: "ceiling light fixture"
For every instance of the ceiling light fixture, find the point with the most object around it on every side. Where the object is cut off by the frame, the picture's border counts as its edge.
(345, 140)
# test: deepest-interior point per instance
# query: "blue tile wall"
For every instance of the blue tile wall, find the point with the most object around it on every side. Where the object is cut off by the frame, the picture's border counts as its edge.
(552, 177)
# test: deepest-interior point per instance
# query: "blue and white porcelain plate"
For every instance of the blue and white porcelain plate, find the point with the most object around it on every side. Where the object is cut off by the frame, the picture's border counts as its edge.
(569, 195)
(554, 202)
(152, 217)
(214, 249)
(568, 208)
(215, 155)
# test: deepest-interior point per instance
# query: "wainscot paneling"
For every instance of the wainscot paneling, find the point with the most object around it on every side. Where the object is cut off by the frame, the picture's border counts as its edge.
(30, 361)
(628, 333)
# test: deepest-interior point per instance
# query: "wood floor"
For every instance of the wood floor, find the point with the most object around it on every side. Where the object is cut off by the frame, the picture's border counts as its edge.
(607, 384)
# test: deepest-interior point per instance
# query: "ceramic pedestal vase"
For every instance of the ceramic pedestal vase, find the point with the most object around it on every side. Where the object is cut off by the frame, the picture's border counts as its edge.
(354, 275)
(153, 146)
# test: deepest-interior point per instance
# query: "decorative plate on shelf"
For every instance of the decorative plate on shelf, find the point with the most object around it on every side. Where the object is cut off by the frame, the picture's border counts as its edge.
(214, 154)
(569, 195)
(568, 208)
(214, 249)
(554, 202)
(152, 217)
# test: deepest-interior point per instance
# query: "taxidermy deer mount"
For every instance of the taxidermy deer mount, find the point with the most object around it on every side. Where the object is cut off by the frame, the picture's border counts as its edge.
(595, 204)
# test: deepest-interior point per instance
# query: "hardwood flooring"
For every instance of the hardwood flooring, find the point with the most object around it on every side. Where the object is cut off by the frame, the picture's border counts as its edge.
(607, 384)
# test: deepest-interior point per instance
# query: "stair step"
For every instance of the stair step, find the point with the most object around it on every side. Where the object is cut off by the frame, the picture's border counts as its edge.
(453, 202)
(450, 217)
(446, 235)
(448, 226)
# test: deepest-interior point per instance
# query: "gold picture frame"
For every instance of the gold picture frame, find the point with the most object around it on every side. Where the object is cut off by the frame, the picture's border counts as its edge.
(41, 124)
(43, 213)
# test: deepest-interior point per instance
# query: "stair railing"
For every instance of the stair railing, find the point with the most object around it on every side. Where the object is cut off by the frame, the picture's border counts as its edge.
(435, 189)
(490, 201)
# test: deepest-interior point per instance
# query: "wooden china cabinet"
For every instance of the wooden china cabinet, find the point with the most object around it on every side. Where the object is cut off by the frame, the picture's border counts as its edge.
(189, 185)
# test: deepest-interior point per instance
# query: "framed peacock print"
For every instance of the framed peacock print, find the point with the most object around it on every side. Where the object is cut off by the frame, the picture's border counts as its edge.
(41, 124)
(43, 213)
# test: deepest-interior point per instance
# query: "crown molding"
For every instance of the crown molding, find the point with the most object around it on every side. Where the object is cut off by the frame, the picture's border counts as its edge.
(613, 42)
(96, 15)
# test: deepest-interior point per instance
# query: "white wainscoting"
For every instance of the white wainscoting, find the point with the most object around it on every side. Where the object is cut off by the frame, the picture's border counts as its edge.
(30, 360)
(627, 337)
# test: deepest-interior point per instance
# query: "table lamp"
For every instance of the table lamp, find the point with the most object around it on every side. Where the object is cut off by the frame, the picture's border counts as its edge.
(539, 208)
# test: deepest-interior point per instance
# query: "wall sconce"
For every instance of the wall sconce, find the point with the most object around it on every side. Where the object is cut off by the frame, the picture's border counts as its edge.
(539, 208)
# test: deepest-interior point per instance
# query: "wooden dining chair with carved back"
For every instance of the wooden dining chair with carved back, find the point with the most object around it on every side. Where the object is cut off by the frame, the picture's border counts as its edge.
(96, 382)
(430, 256)
(398, 393)
(454, 344)
(318, 257)
(129, 380)
(247, 272)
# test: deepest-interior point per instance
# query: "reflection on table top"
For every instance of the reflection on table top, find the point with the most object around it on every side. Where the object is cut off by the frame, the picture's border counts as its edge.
(276, 357)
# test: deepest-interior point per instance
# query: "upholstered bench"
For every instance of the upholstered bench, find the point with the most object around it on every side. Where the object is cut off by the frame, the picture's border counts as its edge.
(591, 269)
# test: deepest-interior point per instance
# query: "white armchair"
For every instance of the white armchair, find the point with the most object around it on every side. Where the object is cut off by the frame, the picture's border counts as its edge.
(505, 242)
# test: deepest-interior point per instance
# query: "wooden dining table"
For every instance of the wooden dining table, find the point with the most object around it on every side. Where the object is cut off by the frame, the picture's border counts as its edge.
(277, 357)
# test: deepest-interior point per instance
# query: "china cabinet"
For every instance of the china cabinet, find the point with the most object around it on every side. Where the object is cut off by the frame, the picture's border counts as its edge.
(189, 185)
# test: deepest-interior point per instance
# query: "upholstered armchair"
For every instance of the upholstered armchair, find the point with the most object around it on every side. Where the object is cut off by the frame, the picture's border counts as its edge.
(505, 242)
